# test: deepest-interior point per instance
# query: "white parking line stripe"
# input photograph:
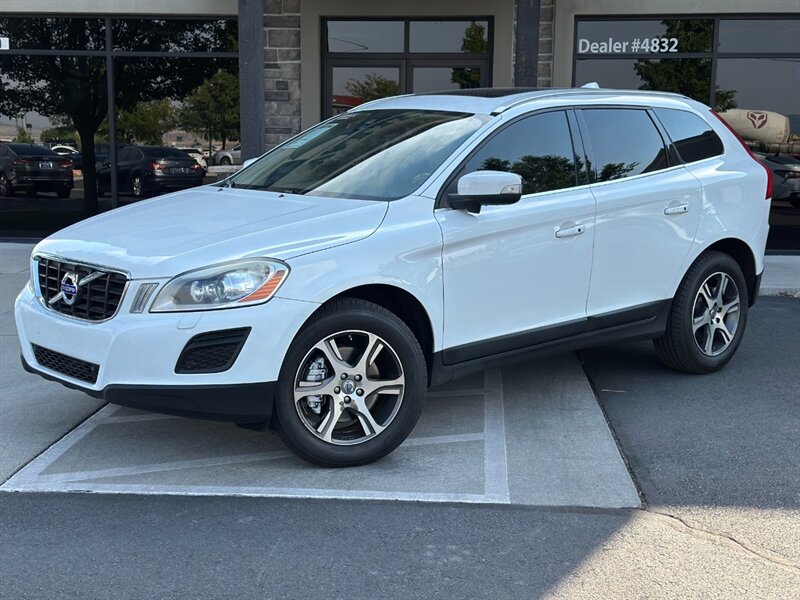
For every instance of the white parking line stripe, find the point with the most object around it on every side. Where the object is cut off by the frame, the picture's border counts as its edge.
(135, 418)
(495, 456)
(258, 492)
(32, 470)
(74, 476)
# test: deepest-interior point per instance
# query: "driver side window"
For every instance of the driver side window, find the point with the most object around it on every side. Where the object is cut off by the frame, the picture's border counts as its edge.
(537, 148)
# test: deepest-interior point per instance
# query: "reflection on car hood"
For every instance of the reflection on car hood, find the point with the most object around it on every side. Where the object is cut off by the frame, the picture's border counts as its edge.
(194, 228)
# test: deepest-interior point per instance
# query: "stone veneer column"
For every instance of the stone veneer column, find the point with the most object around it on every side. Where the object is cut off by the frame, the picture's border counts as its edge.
(281, 69)
(546, 24)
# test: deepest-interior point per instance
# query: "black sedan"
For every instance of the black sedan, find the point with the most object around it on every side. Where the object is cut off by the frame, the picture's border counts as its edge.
(149, 170)
(33, 168)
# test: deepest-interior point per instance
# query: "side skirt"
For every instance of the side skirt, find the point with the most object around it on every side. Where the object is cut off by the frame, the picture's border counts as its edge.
(639, 323)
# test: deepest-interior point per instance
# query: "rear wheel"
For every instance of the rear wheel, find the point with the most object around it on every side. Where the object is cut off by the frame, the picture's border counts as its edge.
(708, 316)
(352, 385)
(225, 161)
(137, 186)
(5, 186)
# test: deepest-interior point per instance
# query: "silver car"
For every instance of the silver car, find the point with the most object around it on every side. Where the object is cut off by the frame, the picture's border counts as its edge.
(228, 157)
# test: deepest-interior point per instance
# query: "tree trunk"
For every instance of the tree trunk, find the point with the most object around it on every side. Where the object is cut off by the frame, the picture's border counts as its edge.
(89, 171)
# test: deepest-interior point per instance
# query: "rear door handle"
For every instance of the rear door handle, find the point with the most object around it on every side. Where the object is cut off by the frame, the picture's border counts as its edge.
(676, 209)
(566, 232)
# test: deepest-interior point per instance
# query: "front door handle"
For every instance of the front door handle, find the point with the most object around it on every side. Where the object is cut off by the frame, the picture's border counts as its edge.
(676, 209)
(566, 232)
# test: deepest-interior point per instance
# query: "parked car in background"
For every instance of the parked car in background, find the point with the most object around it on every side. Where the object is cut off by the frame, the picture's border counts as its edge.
(33, 168)
(147, 170)
(785, 176)
(228, 157)
(70, 153)
(102, 153)
(198, 155)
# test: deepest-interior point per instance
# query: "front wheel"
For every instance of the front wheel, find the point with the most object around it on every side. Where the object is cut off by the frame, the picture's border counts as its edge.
(707, 318)
(352, 385)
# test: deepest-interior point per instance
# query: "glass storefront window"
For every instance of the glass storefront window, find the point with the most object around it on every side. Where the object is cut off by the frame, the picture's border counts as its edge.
(53, 33)
(471, 37)
(759, 35)
(688, 76)
(667, 36)
(401, 57)
(177, 112)
(432, 79)
(366, 36)
(175, 35)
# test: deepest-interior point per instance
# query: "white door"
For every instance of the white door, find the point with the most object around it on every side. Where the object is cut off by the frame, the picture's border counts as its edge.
(647, 212)
(509, 281)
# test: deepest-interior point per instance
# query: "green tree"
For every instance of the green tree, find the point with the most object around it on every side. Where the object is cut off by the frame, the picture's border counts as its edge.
(23, 137)
(372, 87)
(475, 42)
(147, 122)
(212, 108)
(688, 76)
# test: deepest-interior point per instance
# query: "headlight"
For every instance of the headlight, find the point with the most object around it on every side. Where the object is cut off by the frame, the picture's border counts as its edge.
(240, 283)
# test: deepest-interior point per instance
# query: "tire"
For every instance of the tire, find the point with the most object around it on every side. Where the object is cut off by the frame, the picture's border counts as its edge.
(137, 187)
(5, 186)
(64, 194)
(371, 421)
(705, 327)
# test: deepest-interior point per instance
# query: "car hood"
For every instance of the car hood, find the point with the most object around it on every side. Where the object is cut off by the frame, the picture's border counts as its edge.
(194, 228)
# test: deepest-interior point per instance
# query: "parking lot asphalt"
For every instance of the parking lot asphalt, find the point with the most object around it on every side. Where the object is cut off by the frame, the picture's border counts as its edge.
(722, 450)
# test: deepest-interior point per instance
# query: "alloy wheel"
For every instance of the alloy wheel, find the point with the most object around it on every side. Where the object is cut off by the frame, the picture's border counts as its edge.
(715, 315)
(137, 186)
(349, 387)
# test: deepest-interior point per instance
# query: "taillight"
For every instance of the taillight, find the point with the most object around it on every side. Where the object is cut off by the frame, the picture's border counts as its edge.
(196, 167)
(157, 166)
(20, 162)
(768, 193)
(67, 164)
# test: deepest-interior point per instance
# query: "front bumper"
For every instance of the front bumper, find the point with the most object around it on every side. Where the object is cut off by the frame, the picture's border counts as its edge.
(137, 355)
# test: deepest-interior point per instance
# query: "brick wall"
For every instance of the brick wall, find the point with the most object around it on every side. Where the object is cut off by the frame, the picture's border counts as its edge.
(282, 69)
(544, 74)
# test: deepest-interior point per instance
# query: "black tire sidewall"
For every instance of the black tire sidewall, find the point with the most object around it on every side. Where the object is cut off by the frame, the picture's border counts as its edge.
(716, 263)
(402, 341)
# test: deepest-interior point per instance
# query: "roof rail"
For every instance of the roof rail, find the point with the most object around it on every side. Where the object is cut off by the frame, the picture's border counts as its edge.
(581, 91)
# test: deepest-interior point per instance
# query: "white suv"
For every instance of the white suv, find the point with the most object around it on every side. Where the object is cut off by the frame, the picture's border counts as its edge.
(324, 287)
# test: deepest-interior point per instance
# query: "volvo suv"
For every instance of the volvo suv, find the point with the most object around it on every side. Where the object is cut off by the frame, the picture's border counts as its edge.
(321, 289)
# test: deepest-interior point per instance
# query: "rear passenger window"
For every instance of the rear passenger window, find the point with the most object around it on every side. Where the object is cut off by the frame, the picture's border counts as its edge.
(538, 148)
(624, 142)
(693, 137)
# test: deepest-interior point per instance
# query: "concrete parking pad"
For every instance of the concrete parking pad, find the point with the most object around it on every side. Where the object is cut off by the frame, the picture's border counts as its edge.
(530, 435)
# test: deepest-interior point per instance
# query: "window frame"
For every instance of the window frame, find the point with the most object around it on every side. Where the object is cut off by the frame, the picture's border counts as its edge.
(578, 149)
(406, 61)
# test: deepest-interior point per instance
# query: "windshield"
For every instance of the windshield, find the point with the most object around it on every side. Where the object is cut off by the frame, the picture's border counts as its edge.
(372, 155)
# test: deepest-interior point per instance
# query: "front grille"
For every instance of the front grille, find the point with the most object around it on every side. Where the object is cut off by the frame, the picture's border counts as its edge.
(66, 365)
(212, 352)
(96, 300)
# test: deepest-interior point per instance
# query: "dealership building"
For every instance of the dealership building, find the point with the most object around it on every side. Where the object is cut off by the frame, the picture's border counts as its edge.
(89, 72)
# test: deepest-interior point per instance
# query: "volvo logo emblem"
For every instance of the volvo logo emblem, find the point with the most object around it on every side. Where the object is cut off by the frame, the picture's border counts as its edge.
(348, 386)
(69, 288)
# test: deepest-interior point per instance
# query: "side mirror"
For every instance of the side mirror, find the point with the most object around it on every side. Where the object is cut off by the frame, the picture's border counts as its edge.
(486, 188)
(249, 162)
